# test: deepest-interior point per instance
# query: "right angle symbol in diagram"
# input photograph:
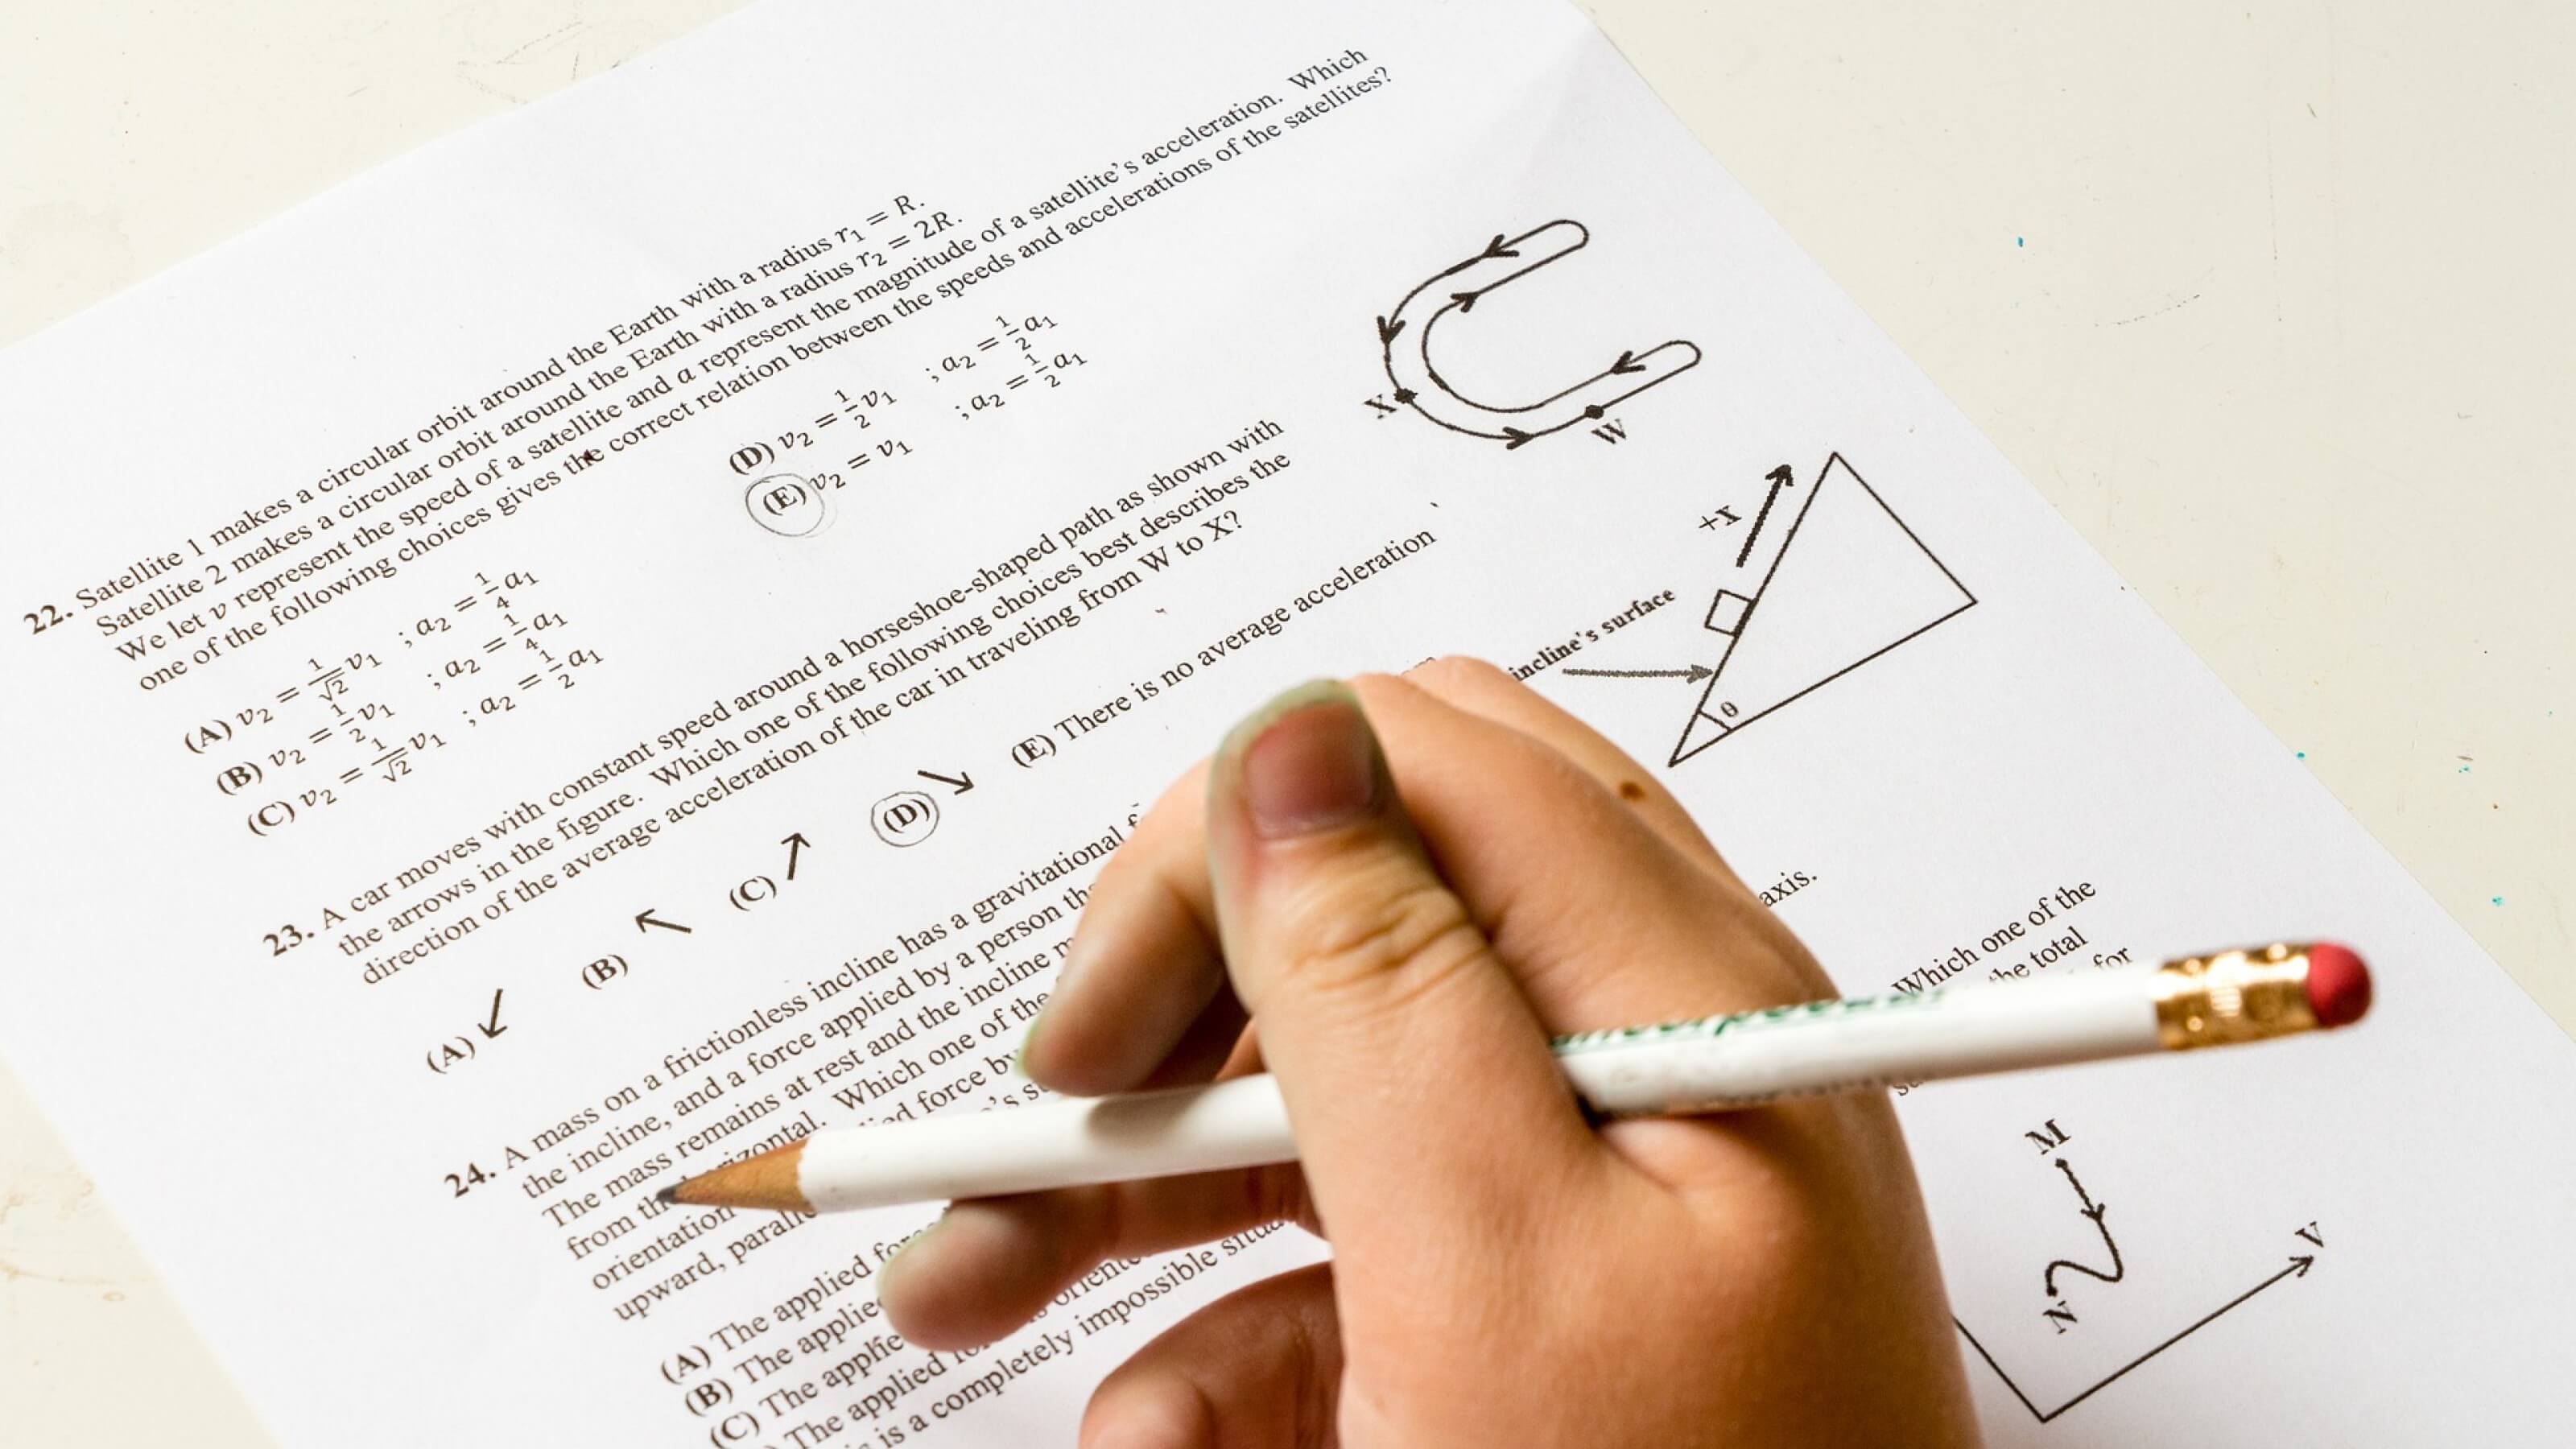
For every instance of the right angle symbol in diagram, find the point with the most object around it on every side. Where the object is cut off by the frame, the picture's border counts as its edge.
(1820, 580)
(1404, 337)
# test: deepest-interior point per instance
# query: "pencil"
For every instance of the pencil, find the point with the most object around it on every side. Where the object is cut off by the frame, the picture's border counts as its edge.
(1714, 1064)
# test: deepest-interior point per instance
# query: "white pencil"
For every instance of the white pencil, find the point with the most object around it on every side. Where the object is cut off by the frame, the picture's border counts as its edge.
(1716, 1064)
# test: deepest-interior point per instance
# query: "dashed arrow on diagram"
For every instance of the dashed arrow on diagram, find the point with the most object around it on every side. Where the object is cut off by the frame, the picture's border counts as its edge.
(1693, 673)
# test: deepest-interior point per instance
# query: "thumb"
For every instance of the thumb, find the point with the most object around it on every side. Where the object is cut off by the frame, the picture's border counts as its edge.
(1413, 1068)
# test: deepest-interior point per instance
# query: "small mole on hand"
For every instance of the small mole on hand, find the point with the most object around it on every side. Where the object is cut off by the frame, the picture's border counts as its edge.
(1631, 790)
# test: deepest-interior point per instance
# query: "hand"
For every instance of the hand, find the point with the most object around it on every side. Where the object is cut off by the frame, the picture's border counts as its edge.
(1404, 917)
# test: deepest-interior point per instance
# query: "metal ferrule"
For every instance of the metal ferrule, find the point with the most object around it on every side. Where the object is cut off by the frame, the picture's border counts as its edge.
(2233, 996)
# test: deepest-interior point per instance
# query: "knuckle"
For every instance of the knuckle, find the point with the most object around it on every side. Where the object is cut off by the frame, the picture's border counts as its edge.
(1375, 684)
(1458, 669)
(1364, 929)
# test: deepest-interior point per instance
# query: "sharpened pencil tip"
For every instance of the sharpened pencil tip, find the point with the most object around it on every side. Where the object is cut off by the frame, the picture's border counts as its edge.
(762, 1180)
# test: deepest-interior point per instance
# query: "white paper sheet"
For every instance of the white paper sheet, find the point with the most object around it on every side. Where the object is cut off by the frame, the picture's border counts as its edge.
(621, 636)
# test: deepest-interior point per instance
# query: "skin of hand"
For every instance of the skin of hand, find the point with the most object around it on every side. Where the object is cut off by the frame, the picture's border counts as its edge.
(1405, 914)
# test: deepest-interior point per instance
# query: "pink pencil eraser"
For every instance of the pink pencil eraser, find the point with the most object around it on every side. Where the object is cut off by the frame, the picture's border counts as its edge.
(2338, 985)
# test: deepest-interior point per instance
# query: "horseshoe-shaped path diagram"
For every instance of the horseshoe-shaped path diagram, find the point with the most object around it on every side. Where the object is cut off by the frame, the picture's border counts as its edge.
(1404, 334)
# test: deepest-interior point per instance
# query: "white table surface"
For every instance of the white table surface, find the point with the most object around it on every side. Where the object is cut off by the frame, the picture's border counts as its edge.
(2275, 304)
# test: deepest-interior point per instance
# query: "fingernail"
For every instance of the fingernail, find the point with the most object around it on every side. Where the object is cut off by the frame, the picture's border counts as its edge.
(1307, 761)
(911, 1250)
(1172, 1417)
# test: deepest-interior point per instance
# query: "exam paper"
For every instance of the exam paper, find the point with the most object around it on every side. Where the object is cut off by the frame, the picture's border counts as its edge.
(622, 638)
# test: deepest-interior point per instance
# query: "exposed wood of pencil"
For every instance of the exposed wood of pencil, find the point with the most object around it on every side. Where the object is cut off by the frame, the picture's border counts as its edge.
(765, 1181)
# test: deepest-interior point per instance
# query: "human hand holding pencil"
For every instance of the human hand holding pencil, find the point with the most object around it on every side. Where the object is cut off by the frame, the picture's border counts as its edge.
(1405, 926)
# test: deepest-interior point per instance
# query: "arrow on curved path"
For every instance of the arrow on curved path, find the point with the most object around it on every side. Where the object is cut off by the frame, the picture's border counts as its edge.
(1457, 289)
